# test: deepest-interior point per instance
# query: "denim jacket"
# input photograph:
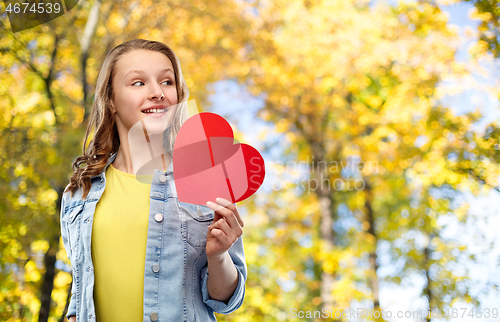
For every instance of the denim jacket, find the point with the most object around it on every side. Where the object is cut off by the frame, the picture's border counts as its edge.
(176, 290)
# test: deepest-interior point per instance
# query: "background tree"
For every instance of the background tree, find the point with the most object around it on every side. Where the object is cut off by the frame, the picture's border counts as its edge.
(347, 81)
(488, 12)
(56, 65)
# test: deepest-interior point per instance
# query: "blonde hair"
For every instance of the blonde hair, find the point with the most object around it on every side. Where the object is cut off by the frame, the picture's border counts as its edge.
(106, 140)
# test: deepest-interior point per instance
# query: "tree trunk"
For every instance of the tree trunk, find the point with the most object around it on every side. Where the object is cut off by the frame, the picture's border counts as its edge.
(65, 311)
(327, 279)
(326, 230)
(428, 290)
(50, 265)
(373, 279)
(48, 280)
(85, 42)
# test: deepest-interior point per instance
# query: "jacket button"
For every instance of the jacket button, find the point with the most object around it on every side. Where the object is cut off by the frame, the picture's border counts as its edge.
(158, 217)
(163, 178)
(153, 316)
(155, 268)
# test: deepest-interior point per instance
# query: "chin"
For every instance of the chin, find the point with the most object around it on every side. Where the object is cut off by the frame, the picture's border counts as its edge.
(157, 125)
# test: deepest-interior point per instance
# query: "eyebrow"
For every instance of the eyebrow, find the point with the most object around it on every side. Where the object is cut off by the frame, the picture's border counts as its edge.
(141, 71)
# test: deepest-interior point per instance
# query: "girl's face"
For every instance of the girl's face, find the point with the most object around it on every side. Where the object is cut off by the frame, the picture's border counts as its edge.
(144, 88)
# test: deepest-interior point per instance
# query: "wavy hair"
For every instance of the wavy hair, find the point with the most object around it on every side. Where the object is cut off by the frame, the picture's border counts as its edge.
(106, 140)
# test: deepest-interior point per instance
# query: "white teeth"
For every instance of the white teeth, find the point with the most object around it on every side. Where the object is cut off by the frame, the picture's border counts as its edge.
(155, 110)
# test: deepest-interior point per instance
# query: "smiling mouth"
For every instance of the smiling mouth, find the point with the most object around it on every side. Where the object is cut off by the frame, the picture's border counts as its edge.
(155, 110)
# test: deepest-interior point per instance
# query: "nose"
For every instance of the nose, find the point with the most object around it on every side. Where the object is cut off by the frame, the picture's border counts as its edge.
(156, 93)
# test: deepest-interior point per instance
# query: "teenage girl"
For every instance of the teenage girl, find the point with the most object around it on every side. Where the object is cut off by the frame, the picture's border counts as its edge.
(137, 253)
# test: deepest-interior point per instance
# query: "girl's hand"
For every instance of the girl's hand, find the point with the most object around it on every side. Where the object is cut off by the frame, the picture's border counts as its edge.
(225, 229)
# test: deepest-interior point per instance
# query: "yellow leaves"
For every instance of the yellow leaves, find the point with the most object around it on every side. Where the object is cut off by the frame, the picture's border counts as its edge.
(453, 178)
(251, 252)
(18, 171)
(370, 239)
(101, 30)
(374, 101)
(329, 265)
(483, 16)
(22, 230)
(189, 81)
(405, 163)
(353, 86)
(15, 248)
(22, 185)
(447, 2)
(32, 301)
(462, 211)
(244, 69)
(282, 125)
(422, 73)
(48, 197)
(115, 22)
(328, 83)
(62, 280)
(364, 119)
(337, 101)
(40, 246)
(31, 272)
(407, 139)
(344, 291)
(25, 106)
(202, 6)
(49, 118)
(284, 100)
(226, 42)
(291, 137)
(257, 298)
(359, 107)
(480, 47)
(79, 114)
(62, 283)
(316, 300)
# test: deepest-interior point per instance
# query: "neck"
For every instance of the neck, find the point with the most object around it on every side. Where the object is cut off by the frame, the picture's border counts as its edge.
(141, 155)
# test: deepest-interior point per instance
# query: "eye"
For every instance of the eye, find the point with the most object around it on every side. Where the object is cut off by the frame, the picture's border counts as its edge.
(169, 82)
(133, 84)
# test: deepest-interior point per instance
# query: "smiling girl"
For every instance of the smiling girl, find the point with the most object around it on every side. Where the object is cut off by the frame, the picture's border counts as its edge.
(137, 253)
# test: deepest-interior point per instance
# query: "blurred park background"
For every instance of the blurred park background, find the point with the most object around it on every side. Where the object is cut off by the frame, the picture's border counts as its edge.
(378, 122)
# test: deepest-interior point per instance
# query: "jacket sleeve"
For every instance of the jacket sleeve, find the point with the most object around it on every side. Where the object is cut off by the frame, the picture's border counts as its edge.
(238, 256)
(67, 246)
(72, 305)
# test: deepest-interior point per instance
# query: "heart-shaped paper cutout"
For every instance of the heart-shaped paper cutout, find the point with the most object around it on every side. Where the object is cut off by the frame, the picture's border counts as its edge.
(207, 163)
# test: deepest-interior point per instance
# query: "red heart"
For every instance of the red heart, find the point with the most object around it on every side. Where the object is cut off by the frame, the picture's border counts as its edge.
(207, 163)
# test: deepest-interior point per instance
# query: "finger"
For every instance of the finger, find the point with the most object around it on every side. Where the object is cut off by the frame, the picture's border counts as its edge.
(220, 235)
(221, 238)
(227, 204)
(232, 207)
(230, 232)
(226, 213)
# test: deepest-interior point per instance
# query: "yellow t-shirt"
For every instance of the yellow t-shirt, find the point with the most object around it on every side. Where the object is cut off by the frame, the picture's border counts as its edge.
(119, 237)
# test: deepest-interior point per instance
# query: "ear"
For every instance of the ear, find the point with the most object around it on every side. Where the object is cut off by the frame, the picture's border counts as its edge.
(112, 108)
